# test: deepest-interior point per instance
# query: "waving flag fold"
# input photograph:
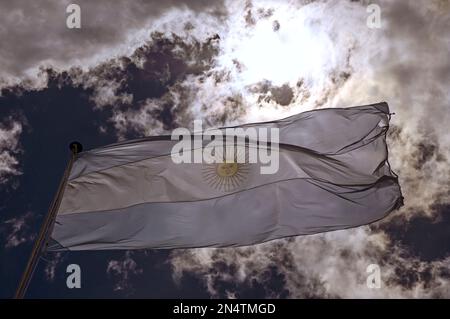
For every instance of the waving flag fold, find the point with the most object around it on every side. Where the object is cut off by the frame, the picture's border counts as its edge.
(333, 174)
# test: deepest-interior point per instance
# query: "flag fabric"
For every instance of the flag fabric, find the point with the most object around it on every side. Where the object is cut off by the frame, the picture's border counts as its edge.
(333, 173)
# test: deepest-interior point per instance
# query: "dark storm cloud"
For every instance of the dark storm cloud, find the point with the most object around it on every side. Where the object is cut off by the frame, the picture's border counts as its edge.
(35, 31)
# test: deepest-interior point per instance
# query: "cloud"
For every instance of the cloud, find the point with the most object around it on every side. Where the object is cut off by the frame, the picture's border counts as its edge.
(265, 60)
(52, 264)
(17, 231)
(105, 30)
(148, 91)
(325, 265)
(248, 76)
(401, 63)
(122, 271)
(10, 131)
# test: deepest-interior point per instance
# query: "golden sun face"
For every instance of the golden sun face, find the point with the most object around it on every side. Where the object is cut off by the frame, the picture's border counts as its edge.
(227, 169)
(226, 176)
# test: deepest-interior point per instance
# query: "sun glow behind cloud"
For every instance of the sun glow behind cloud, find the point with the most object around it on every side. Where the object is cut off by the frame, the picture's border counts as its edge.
(280, 52)
(298, 49)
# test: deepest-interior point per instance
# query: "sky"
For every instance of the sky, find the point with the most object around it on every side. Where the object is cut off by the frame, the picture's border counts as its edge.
(140, 68)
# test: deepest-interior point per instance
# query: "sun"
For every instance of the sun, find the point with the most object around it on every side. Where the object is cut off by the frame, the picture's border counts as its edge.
(297, 48)
(226, 176)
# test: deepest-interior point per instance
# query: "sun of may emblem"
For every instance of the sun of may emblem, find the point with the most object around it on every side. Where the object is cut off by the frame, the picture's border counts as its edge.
(226, 176)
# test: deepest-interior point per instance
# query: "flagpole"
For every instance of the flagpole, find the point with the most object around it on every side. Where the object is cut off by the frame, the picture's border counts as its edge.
(41, 241)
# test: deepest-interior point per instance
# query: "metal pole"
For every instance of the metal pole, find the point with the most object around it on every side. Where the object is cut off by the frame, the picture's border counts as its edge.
(41, 241)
